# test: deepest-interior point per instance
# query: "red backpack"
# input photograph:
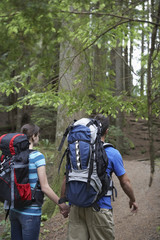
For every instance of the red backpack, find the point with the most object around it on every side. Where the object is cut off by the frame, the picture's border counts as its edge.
(14, 172)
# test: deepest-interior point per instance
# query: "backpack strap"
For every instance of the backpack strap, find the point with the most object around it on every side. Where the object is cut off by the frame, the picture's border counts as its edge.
(7, 210)
(36, 188)
(63, 138)
(105, 145)
(34, 191)
(12, 183)
(65, 152)
(90, 166)
(94, 121)
(62, 142)
(65, 135)
(112, 190)
(94, 150)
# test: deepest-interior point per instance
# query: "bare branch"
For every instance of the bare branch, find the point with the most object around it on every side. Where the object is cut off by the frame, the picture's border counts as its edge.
(112, 15)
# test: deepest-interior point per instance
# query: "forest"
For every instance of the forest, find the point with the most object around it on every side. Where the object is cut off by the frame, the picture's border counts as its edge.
(61, 60)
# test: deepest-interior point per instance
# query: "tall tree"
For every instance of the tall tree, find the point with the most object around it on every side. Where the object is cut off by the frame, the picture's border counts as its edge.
(142, 55)
(150, 76)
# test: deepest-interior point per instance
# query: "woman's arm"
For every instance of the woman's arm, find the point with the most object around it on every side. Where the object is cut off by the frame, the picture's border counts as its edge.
(49, 192)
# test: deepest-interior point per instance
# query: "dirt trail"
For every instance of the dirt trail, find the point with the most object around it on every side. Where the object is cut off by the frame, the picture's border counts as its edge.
(142, 226)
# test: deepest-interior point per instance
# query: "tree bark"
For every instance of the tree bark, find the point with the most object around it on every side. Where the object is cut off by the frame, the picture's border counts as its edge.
(142, 54)
(119, 89)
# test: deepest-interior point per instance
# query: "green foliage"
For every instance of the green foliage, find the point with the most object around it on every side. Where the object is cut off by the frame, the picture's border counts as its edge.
(25, 29)
(143, 151)
(31, 36)
(45, 118)
(6, 230)
(157, 161)
(44, 217)
(158, 229)
(5, 234)
(115, 132)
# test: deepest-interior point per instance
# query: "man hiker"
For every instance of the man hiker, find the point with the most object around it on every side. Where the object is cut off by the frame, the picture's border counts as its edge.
(87, 223)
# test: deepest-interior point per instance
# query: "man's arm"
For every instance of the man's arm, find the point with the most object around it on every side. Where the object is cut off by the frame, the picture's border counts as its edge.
(127, 188)
(63, 188)
(63, 194)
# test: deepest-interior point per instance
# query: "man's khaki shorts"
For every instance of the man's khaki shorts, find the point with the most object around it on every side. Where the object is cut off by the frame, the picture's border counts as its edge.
(86, 223)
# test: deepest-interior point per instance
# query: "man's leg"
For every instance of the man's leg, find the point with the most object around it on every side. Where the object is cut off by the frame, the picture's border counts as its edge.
(100, 224)
(77, 228)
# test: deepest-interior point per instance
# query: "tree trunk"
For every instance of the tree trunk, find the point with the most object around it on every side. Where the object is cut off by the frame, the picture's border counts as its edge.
(12, 114)
(66, 82)
(119, 89)
(142, 54)
(149, 95)
(127, 66)
(98, 64)
(127, 73)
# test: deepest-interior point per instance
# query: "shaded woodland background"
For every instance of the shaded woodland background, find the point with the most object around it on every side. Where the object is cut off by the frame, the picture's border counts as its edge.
(61, 60)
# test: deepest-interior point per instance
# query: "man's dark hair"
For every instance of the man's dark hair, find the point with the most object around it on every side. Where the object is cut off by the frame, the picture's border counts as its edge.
(104, 121)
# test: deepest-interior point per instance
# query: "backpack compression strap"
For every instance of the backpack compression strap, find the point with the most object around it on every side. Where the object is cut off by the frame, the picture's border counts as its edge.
(94, 151)
(11, 146)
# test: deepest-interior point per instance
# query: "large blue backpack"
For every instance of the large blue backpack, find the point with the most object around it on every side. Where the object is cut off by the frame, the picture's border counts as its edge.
(86, 177)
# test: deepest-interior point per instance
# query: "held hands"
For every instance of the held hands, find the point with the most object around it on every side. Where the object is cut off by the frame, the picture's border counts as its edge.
(64, 209)
(133, 206)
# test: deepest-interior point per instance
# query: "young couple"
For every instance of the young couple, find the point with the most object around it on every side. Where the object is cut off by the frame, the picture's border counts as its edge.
(84, 223)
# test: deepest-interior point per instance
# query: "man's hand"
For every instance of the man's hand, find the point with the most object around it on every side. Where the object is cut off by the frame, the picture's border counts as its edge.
(64, 209)
(133, 206)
